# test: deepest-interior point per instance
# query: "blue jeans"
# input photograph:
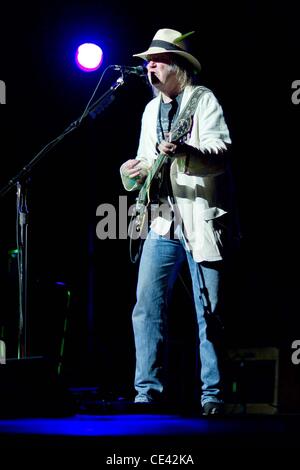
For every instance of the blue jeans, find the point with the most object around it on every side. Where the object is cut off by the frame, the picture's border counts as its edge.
(159, 265)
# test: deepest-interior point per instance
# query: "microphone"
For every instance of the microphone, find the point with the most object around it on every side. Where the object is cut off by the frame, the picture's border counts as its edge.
(140, 70)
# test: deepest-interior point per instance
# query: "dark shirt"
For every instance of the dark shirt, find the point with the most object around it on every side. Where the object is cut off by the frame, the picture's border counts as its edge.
(168, 112)
(167, 115)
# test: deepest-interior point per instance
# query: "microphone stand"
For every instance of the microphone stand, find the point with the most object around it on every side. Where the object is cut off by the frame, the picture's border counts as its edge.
(22, 207)
(22, 250)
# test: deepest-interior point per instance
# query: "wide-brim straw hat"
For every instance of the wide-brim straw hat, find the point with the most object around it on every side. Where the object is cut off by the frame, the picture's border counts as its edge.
(170, 41)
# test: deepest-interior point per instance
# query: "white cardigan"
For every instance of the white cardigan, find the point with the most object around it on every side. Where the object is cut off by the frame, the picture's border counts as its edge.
(197, 180)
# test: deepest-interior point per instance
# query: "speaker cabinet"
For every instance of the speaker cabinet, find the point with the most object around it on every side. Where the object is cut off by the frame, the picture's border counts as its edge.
(251, 380)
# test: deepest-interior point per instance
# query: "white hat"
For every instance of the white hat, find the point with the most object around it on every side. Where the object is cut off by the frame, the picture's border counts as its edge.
(170, 41)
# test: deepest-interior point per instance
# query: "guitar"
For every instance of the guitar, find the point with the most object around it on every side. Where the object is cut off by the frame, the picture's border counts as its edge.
(181, 128)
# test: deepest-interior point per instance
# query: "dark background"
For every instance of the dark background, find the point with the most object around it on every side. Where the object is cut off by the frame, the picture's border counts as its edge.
(250, 57)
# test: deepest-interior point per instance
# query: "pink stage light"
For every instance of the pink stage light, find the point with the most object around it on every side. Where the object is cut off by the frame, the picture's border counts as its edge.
(89, 57)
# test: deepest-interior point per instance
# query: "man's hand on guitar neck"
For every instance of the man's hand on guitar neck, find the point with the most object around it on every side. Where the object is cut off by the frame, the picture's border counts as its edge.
(172, 149)
(134, 169)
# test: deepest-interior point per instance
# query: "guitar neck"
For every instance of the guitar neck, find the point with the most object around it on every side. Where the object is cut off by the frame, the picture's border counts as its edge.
(179, 131)
(158, 163)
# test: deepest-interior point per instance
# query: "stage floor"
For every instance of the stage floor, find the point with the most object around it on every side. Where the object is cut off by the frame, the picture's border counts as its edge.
(122, 434)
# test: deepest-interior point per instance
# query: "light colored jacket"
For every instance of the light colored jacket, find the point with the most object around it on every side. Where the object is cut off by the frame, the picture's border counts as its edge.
(198, 176)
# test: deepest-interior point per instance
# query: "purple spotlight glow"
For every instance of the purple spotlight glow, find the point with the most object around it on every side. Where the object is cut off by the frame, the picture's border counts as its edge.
(89, 57)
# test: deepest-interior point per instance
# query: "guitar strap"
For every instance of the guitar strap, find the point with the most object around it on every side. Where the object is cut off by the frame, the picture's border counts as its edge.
(190, 108)
(187, 112)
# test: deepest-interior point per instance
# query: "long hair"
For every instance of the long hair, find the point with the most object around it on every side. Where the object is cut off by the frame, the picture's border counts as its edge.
(185, 73)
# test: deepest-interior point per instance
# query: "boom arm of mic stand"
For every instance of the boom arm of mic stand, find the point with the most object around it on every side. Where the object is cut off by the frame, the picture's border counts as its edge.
(105, 100)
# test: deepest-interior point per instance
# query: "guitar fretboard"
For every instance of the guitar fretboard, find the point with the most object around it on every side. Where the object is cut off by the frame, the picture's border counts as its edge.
(158, 163)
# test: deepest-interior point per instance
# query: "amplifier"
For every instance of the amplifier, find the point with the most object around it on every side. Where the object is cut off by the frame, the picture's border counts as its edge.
(251, 380)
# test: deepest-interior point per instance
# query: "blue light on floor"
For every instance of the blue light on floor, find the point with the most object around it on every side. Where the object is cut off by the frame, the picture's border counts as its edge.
(110, 425)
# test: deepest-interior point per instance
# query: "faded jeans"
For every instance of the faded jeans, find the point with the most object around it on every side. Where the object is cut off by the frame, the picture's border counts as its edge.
(159, 265)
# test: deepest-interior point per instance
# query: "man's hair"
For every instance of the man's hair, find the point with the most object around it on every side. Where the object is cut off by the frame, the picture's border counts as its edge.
(185, 73)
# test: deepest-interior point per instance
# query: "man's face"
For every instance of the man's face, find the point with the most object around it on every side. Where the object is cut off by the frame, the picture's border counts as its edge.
(160, 72)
